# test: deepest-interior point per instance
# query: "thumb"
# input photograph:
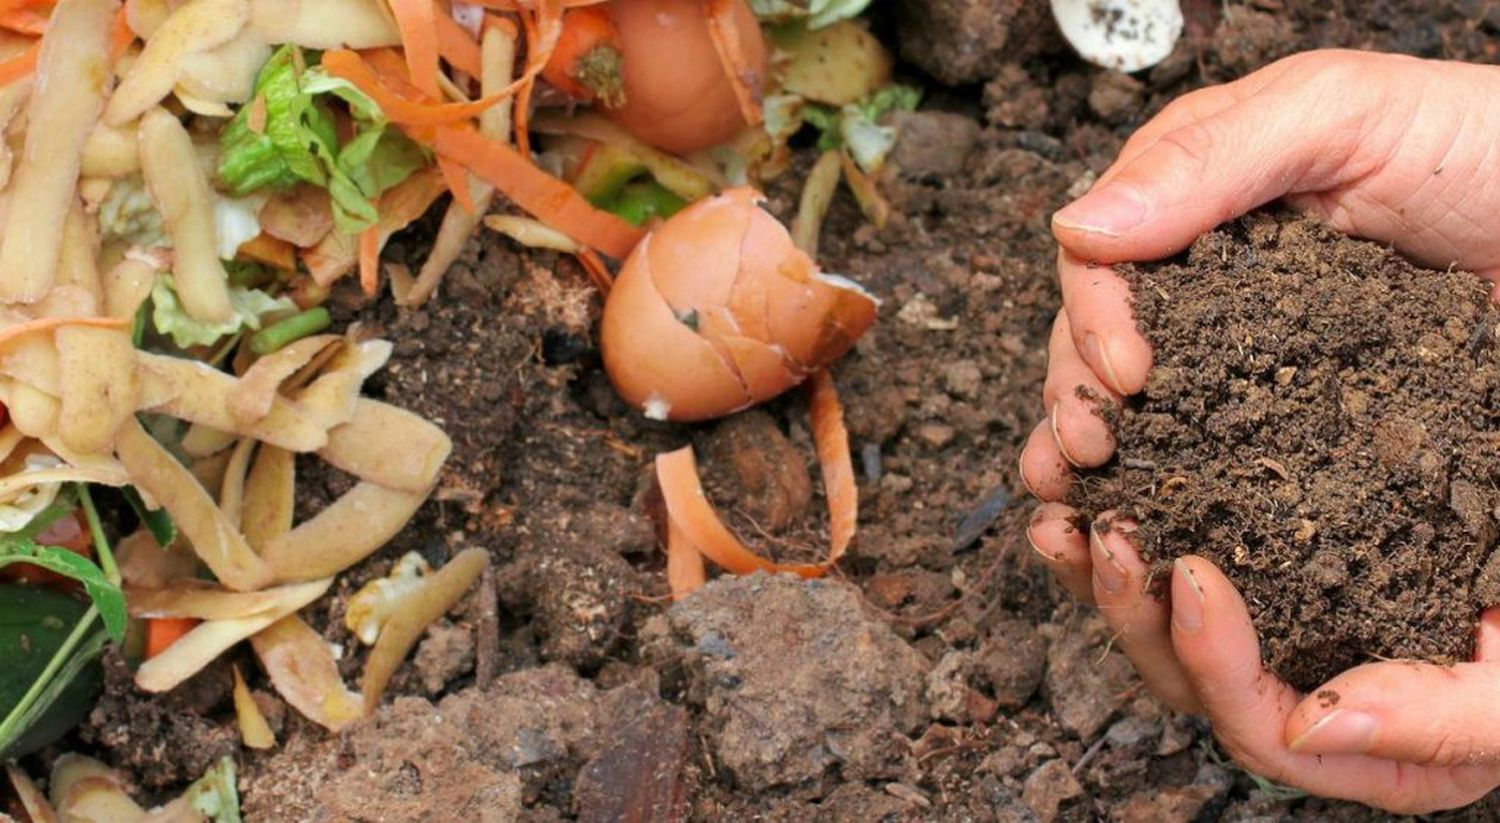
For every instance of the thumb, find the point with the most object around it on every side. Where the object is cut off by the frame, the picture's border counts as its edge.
(1416, 713)
(1205, 172)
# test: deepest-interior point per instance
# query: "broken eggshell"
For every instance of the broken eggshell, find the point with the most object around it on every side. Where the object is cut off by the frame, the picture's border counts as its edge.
(717, 310)
(1124, 35)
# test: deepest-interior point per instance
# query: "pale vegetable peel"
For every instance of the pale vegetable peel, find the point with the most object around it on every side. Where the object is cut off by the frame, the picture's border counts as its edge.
(302, 669)
(414, 613)
(69, 94)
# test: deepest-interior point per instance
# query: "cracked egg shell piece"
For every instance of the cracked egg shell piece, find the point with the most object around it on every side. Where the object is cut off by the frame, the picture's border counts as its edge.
(717, 310)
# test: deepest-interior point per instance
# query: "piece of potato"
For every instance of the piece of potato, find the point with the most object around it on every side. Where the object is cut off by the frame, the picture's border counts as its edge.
(225, 74)
(212, 638)
(112, 151)
(127, 284)
(344, 533)
(303, 671)
(325, 24)
(193, 27)
(198, 393)
(417, 610)
(388, 445)
(837, 65)
(270, 496)
(185, 199)
(216, 542)
(71, 75)
(98, 386)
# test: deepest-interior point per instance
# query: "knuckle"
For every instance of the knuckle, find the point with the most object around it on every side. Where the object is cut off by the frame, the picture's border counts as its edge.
(1194, 143)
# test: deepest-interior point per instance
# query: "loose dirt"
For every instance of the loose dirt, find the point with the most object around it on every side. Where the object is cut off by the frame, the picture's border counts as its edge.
(607, 704)
(1320, 422)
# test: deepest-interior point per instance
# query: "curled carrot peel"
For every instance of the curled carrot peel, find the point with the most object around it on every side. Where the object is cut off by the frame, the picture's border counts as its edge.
(455, 45)
(369, 260)
(162, 632)
(23, 20)
(545, 197)
(398, 105)
(518, 5)
(596, 270)
(42, 324)
(419, 41)
(694, 528)
(457, 181)
(743, 78)
(21, 65)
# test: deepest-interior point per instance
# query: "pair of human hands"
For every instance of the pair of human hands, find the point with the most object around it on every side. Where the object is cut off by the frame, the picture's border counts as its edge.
(1390, 148)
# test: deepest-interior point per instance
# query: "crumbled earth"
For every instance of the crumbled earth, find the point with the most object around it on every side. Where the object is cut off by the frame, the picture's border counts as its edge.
(592, 716)
(1335, 457)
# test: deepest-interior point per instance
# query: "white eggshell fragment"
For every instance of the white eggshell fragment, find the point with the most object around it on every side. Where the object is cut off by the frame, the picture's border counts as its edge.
(1124, 35)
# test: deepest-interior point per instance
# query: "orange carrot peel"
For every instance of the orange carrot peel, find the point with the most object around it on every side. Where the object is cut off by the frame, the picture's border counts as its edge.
(694, 531)
(743, 78)
(417, 21)
(162, 632)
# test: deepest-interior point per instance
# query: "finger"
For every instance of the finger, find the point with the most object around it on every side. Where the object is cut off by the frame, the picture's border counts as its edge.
(1044, 470)
(1062, 547)
(1418, 713)
(1102, 323)
(1073, 395)
(1487, 637)
(1219, 651)
(1139, 618)
(1208, 171)
(1195, 107)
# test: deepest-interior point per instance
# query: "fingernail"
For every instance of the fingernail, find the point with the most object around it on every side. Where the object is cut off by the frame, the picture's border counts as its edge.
(1108, 573)
(1094, 352)
(1032, 541)
(1110, 211)
(1342, 731)
(1187, 612)
(1021, 473)
(1057, 438)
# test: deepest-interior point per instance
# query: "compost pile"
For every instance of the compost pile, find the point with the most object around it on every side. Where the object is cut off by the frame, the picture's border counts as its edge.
(1321, 422)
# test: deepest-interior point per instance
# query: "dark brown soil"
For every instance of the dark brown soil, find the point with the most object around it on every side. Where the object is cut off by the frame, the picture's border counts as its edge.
(1321, 423)
(605, 703)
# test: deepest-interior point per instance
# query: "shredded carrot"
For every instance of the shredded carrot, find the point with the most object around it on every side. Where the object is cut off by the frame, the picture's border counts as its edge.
(518, 6)
(743, 78)
(597, 271)
(24, 20)
(21, 65)
(419, 41)
(455, 45)
(831, 440)
(41, 324)
(273, 251)
(694, 528)
(685, 572)
(521, 111)
(162, 632)
(369, 260)
(545, 197)
(396, 96)
(456, 178)
(122, 35)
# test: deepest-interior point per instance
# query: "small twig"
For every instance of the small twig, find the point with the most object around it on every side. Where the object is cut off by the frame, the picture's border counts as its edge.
(487, 631)
(1089, 754)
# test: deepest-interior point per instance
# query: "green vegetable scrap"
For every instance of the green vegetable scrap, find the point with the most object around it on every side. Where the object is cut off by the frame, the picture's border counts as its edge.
(250, 306)
(288, 134)
(816, 13)
(856, 127)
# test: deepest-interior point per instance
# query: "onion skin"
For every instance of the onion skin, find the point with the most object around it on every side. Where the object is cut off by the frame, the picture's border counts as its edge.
(677, 96)
(717, 310)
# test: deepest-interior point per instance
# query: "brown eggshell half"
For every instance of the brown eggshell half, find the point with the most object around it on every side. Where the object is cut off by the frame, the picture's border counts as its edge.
(677, 96)
(657, 363)
(718, 309)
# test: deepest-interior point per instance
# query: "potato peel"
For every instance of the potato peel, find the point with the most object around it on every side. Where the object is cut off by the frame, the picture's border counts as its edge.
(302, 669)
(414, 613)
(254, 730)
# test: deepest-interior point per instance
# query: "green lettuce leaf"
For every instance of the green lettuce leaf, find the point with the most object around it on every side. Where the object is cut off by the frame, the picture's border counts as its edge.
(250, 308)
(856, 128)
(214, 795)
(816, 13)
(298, 141)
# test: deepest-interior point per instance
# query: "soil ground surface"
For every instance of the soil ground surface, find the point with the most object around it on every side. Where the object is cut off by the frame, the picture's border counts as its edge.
(1335, 456)
(941, 676)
